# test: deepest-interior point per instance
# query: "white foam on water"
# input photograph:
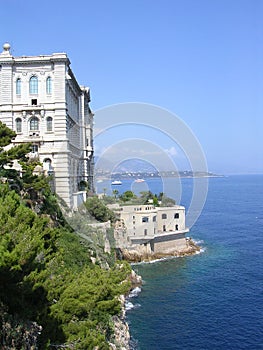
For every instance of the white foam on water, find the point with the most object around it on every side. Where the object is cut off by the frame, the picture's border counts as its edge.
(200, 241)
(135, 292)
(202, 250)
(129, 306)
(155, 260)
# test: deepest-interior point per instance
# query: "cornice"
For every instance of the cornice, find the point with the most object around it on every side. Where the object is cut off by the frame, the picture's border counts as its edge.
(6, 61)
(74, 80)
(56, 57)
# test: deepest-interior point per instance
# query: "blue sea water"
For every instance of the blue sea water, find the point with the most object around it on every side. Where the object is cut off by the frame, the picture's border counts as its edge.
(214, 300)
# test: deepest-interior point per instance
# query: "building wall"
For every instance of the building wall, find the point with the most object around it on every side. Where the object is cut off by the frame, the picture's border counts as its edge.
(167, 244)
(171, 218)
(151, 229)
(140, 220)
(62, 147)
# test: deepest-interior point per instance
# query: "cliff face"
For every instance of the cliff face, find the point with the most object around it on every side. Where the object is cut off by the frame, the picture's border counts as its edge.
(121, 334)
(121, 338)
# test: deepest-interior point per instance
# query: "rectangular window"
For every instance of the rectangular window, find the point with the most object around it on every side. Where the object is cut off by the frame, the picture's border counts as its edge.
(18, 86)
(34, 102)
(34, 148)
(34, 124)
(49, 123)
(49, 85)
(18, 125)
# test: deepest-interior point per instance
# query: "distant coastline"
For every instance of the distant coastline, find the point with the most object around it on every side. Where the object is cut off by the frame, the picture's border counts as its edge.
(104, 175)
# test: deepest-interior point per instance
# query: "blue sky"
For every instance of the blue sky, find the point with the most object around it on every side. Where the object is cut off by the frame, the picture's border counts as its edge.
(200, 59)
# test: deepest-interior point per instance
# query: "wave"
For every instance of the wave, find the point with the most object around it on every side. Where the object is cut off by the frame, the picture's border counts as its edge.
(154, 261)
(133, 344)
(134, 292)
(129, 306)
(200, 241)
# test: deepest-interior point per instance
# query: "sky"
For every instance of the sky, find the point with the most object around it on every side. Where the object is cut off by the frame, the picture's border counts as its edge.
(200, 60)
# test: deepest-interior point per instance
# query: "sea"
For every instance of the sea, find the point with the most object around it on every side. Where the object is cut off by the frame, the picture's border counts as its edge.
(212, 300)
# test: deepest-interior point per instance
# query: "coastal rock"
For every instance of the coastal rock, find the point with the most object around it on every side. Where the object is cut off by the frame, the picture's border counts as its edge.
(121, 337)
(135, 255)
(136, 280)
(121, 334)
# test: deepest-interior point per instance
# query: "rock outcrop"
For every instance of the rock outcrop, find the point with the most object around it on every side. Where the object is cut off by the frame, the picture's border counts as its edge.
(135, 255)
(121, 334)
(121, 337)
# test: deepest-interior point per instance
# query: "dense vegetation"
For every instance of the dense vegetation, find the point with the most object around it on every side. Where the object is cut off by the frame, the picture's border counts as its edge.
(98, 210)
(52, 296)
(145, 197)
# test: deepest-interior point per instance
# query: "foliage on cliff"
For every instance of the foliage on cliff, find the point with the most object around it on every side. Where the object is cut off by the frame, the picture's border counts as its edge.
(98, 210)
(51, 295)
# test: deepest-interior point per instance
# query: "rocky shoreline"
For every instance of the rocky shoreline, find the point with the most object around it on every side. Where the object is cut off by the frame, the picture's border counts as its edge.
(122, 338)
(134, 256)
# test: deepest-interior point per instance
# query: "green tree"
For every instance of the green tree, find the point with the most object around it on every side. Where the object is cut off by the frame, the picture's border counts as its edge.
(6, 135)
(98, 210)
(127, 196)
(31, 184)
(46, 276)
(167, 202)
(115, 194)
(87, 303)
(9, 155)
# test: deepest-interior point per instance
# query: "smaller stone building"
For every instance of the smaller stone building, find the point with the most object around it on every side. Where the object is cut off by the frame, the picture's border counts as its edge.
(150, 229)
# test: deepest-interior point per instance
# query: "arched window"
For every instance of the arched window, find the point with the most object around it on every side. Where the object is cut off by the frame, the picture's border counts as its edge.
(176, 215)
(18, 125)
(47, 164)
(18, 86)
(33, 85)
(49, 123)
(49, 85)
(164, 216)
(34, 124)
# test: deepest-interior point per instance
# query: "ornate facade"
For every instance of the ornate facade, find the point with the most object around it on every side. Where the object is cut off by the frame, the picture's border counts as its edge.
(41, 100)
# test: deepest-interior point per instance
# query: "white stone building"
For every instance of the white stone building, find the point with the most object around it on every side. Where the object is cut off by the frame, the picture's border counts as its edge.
(41, 100)
(151, 229)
